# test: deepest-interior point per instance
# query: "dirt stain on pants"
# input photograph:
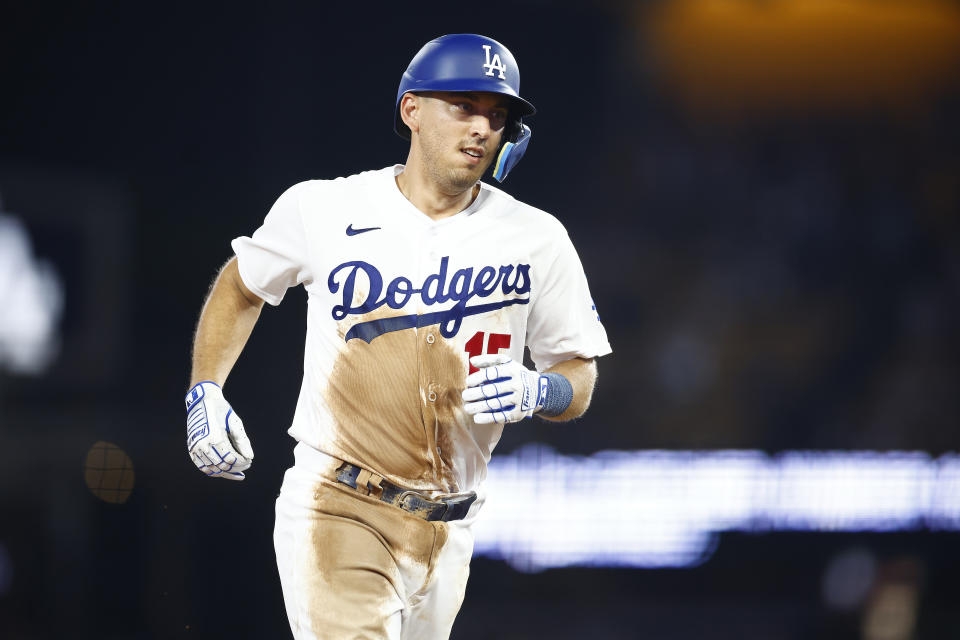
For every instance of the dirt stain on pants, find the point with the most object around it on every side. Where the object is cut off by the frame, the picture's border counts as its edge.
(352, 566)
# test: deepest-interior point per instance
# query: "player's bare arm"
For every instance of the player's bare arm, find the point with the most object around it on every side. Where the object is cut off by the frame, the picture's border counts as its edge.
(582, 375)
(216, 440)
(225, 325)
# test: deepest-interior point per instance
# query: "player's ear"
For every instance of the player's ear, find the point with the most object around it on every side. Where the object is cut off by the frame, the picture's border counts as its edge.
(410, 106)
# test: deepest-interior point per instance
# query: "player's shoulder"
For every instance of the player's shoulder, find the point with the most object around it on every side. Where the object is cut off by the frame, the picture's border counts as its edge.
(357, 181)
(331, 198)
(517, 211)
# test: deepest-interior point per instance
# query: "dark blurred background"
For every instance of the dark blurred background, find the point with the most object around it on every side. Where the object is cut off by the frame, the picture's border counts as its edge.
(764, 194)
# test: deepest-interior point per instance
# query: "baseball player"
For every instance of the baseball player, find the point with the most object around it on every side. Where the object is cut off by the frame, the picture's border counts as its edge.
(424, 285)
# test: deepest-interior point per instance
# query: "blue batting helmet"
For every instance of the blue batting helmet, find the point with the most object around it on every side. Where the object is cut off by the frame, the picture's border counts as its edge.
(468, 62)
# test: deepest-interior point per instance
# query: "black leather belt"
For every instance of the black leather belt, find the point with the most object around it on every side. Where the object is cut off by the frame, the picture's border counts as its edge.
(444, 510)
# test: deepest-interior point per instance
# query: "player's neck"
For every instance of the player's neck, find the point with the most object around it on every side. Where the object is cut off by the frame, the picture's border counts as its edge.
(427, 196)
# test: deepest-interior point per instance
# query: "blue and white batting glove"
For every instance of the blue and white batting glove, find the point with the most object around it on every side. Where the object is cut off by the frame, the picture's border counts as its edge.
(216, 441)
(503, 390)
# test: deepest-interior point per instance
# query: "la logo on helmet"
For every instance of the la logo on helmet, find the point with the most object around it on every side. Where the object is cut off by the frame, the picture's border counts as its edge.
(496, 64)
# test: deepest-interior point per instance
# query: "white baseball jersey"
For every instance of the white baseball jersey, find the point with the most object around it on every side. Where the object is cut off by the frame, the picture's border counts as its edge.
(398, 302)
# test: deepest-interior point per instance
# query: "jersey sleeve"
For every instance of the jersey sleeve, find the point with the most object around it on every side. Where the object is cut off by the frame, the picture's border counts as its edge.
(277, 256)
(563, 321)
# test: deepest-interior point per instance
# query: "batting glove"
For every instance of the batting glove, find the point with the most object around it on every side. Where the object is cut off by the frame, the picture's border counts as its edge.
(216, 440)
(502, 390)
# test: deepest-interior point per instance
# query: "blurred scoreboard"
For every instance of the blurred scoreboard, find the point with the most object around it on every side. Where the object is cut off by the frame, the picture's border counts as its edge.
(660, 509)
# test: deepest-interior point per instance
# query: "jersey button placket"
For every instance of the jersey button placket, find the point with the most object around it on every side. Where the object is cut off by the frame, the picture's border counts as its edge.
(429, 263)
(433, 263)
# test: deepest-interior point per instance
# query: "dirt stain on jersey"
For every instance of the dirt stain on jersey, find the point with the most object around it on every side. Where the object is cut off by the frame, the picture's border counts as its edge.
(443, 373)
(396, 401)
(373, 395)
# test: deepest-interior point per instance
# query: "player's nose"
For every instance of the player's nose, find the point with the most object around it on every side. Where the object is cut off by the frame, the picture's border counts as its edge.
(480, 126)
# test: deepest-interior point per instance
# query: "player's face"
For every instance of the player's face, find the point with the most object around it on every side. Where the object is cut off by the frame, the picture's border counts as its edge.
(460, 134)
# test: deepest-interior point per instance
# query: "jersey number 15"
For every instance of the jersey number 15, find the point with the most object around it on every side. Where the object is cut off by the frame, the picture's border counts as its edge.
(474, 346)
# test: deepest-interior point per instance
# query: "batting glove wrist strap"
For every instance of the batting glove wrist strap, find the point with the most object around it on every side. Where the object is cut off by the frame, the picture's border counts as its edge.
(559, 394)
(216, 440)
(196, 393)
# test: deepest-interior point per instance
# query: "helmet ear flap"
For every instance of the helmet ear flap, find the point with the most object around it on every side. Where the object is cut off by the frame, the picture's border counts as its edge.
(512, 149)
(513, 130)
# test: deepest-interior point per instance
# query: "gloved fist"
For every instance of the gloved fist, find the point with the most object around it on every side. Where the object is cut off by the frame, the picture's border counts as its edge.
(216, 440)
(502, 390)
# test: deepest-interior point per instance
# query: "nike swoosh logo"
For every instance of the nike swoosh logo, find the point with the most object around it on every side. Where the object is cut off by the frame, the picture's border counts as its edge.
(352, 232)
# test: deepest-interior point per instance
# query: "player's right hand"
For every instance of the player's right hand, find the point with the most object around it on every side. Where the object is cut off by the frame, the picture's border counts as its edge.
(216, 441)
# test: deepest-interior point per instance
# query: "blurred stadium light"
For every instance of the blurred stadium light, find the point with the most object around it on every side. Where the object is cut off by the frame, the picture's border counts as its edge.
(64, 276)
(665, 508)
(740, 55)
(31, 299)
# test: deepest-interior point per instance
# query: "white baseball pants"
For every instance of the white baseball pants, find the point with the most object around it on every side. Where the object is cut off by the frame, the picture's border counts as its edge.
(352, 566)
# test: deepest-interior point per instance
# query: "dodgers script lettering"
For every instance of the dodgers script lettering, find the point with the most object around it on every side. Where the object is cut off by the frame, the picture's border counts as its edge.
(465, 284)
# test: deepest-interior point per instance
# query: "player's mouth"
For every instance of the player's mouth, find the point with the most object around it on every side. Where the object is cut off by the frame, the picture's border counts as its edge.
(474, 154)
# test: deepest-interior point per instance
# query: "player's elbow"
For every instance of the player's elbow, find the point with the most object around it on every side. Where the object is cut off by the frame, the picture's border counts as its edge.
(244, 297)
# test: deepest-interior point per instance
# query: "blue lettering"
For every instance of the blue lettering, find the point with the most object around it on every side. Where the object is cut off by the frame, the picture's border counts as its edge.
(341, 311)
(400, 286)
(450, 325)
(505, 271)
(521, 284)
(440, 279)
(460, 284)
(464, 285)
(485, 284)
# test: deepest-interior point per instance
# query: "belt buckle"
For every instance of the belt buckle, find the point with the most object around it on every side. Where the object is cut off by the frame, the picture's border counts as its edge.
(453, 508)
(402, 498)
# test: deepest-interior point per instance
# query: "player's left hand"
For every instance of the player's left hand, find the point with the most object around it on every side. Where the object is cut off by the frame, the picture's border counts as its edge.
(216, 440)
(502, 390)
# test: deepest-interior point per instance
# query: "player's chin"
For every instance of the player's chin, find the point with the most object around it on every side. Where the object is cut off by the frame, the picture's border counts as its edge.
(462, 178)
(473, 169)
